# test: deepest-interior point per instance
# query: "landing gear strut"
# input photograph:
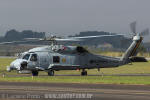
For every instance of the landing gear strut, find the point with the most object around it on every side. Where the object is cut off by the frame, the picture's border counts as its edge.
(84, 72)
(35, 73)
(50, 73)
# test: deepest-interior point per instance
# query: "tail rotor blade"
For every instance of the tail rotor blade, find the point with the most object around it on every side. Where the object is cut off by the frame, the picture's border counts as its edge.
(145, 32)
(133, 27)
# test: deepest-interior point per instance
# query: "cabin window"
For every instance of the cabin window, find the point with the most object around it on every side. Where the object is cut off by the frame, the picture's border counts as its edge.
(56, 59)
(33, 57)
(26, 57)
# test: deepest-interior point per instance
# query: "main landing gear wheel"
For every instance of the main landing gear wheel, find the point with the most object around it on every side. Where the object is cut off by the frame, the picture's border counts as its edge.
(35, 73)
(50, 73)
(84, 72)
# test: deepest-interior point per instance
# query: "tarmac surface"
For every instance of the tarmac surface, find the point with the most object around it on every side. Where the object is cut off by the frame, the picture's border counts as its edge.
(29, 75)
(72, 91)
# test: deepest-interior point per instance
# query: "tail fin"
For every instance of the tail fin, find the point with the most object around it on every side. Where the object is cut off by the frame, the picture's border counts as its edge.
(132, 50)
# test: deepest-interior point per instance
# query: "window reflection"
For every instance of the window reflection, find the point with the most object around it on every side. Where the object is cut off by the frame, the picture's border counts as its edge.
(26, 57)
(33, 57)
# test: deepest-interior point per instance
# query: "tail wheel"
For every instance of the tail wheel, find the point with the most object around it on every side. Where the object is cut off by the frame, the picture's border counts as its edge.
(35, 73)
(50, 73)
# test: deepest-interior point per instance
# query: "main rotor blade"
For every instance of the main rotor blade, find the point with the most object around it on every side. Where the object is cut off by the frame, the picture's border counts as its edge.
(71, 39)
(86, 37)
(33, 39)
(133, 27)
(145, 32)
(51, 39)
(59, 39)
(2, 43)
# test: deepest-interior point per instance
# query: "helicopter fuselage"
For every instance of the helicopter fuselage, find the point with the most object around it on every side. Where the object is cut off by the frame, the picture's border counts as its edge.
(62, 58)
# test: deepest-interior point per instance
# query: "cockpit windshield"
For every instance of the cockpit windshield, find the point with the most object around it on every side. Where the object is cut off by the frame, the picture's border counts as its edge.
(26, 57)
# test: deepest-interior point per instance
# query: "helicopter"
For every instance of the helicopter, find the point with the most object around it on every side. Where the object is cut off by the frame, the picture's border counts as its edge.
(55, 57)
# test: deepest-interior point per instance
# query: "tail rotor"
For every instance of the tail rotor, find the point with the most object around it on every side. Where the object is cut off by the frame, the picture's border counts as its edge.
(134, 31)
(133, 28)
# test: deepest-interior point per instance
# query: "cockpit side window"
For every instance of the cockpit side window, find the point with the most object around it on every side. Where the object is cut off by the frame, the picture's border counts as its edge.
(26, 57)
(33, 57)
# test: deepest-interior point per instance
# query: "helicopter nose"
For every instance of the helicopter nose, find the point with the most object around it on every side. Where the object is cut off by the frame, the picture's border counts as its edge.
(15, 65)
(18, 64)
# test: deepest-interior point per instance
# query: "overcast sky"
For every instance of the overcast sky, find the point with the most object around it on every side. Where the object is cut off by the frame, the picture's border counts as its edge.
(73, 16)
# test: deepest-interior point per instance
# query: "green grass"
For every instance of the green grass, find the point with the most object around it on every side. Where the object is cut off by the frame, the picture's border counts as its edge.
(82, 79)
(135, 68)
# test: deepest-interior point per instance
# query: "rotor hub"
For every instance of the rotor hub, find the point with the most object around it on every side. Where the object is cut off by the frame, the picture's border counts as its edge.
(136, 38)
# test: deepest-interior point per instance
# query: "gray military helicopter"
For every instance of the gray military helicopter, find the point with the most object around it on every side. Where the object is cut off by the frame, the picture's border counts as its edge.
(59, 57)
